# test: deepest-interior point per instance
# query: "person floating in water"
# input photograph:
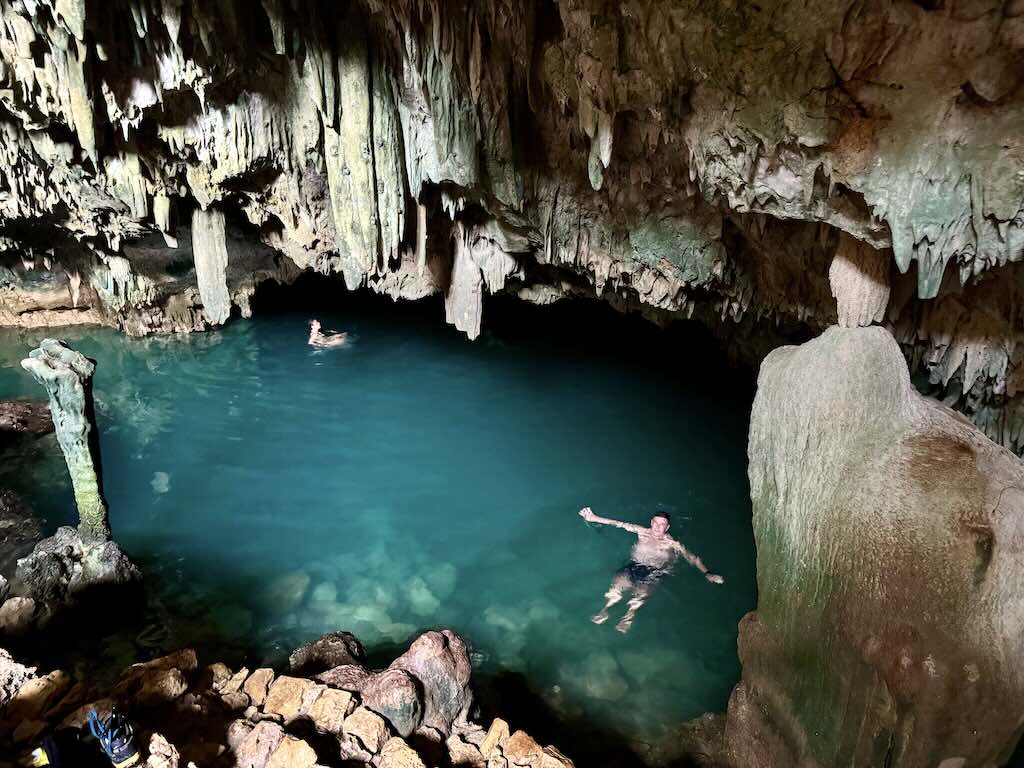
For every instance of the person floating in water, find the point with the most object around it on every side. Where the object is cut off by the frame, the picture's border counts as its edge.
(652, 557)
(318, 338)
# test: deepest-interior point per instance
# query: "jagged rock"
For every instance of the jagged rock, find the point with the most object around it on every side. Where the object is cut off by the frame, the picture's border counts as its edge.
(552, 758)
(327, 652)
(292, 753)
(397, 754)
(235, 701)
(368, 728)
(66, 567)
(17, 616)
(232, 684)
(859, 277)
(37, 695)
(214, 677)
(159, 680)
(13, 675)
(440, 662)
(521, 749)
(291, 696)
(396, 696)
(162, 754)
(888, 523)
(463, 753)
(253, 745)
(67, 377)
(348, 676)
(256, 685)
(496, 737)
(329, 710)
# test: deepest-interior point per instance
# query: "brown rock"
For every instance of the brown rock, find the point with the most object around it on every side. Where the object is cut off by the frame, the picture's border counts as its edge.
(290, 696)
(329, 710)
(257, 684)
(292, 753)
(368, 728)
(348, 676)
(521, 749)
(162, 754)
(36, 696)
(16, 615)
(236, 701)
(68, 702)
(397, 754)
(463, 753)
(233, 683)
(440, 662)
(552, 758)
(496, 736)
(213, 677)
(396, 696)
(161, 687)
(253, 745)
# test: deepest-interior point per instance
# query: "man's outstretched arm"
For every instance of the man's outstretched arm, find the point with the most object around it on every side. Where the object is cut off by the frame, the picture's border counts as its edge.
(588, 514)
(697, 563)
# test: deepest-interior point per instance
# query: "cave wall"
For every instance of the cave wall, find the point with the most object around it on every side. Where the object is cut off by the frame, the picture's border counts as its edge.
(676, 158)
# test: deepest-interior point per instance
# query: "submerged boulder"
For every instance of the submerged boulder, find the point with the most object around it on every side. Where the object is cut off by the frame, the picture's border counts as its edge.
(889, 624)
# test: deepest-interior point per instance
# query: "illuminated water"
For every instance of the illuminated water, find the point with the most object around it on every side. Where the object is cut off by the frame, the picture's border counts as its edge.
(273, 493)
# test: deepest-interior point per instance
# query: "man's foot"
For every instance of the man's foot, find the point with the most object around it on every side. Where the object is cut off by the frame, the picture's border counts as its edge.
(624, 624)
(599, 618)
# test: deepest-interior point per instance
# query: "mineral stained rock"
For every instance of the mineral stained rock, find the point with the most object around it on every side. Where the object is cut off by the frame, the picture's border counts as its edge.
(678, 158)
(888, 529)
(66, 375)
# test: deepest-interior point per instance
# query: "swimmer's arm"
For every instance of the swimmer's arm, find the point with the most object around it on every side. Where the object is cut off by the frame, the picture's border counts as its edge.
(697, 563)
(588, 514)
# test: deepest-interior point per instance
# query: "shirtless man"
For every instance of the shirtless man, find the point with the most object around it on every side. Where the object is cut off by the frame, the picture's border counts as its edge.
(318, 338)
(652, 557)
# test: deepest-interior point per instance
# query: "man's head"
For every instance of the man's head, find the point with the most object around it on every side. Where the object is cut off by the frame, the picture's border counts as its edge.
(660, 523)
(315, 325)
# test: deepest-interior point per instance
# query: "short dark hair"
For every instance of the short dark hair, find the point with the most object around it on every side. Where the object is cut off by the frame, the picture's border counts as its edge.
(664, 515)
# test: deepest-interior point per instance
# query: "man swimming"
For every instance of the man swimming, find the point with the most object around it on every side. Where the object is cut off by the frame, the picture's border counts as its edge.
(652, 557)
(318, 338)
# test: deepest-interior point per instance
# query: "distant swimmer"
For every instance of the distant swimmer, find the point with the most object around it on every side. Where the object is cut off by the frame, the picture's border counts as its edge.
(652, 557)
(318, 338)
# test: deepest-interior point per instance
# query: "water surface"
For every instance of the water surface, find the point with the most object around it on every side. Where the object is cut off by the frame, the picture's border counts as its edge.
(273, 492)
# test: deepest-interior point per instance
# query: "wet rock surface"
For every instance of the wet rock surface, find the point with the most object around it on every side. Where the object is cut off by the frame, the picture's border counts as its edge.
(182, 716)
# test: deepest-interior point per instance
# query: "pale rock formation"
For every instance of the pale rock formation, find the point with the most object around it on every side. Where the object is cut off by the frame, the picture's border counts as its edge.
(211, 257)
(859, 277)
(888, 624)
(66, 376)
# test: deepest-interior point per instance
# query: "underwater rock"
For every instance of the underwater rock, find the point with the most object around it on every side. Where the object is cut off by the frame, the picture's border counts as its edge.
(888, 626)
(66, 376)
(285, 593)
(332, 650)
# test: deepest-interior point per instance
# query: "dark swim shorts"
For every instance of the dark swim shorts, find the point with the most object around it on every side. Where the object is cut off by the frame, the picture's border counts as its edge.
(641, 576)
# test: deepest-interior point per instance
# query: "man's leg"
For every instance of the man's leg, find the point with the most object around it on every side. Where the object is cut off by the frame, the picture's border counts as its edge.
(640, 595)
(619, 585)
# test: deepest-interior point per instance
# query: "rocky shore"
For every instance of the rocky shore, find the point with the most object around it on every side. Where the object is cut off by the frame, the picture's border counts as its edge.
(326, 709)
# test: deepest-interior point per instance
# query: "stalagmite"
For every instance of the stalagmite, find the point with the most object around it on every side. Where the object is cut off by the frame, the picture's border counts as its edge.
(210, 251)
(67, 377)
(859, 276)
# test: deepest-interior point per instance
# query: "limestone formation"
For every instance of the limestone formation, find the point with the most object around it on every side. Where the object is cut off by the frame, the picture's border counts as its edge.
(676, 158)
(888, 625)
(66, 376)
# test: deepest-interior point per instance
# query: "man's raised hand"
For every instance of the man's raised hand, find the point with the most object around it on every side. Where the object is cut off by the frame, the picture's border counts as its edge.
(587, 514)
(714, 578)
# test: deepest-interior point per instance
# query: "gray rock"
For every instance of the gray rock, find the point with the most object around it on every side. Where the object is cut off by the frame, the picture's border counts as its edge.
(440, 662)
(396, 696)
(20, 530)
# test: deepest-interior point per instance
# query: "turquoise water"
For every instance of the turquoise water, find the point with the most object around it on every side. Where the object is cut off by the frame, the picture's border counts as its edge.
(414, 479)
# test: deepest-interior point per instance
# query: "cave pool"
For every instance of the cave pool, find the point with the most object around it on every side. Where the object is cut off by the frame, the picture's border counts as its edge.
(414, 479)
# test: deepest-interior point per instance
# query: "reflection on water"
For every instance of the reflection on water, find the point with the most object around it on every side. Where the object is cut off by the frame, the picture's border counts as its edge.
(273, 492)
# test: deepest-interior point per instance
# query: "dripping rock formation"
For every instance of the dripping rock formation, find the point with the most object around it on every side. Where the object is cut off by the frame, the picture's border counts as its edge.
(889, 535)
(161, 159)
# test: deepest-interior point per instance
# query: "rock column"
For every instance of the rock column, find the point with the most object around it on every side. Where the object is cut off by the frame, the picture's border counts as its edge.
(67, 377)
